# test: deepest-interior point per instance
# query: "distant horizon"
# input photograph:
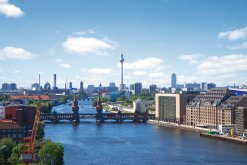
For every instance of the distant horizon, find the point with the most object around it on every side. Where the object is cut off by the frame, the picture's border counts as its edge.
(200, 41)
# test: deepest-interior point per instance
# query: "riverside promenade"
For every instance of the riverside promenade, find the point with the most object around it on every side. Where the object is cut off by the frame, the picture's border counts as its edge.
(175, 125)
(202, 131)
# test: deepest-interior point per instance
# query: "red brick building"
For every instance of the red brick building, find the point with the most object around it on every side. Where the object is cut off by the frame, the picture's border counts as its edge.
(18, 122)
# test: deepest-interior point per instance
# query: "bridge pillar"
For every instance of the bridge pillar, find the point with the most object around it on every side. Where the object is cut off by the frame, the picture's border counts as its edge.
(55, 120)
(75, 109)
(99, 108)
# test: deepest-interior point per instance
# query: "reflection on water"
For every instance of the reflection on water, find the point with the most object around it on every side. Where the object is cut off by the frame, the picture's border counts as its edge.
(138, 143)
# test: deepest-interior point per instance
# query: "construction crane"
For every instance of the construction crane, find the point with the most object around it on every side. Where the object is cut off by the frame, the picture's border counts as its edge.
(29, 142)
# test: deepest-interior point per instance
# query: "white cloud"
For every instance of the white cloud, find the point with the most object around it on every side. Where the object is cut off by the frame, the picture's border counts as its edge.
(191, 58)
(241, 46)
(156, 75)
(15, 53)
(68, 66)
(140, 73)
(219, 69)
(149, 70)
(10, 10)
(233, 34)
(150, 63)
(97, 71)
(87, 46)
(223, 65)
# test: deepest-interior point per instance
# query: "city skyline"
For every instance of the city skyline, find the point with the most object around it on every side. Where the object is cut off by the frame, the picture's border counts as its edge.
(199, 41)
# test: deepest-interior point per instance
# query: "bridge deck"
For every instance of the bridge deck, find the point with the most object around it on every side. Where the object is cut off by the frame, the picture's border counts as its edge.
(106, 116)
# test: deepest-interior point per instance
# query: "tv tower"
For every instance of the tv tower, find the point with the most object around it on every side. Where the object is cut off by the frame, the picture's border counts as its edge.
(122, 84)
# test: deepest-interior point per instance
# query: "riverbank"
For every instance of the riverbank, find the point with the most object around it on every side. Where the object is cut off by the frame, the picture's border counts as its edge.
(180, 126)
(202, 131)
(225, 138)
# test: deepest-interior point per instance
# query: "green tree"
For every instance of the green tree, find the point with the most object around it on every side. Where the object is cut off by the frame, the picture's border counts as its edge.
(15, 156)
(6, 146)
(40, 132)
(94, 103)
(51, 153)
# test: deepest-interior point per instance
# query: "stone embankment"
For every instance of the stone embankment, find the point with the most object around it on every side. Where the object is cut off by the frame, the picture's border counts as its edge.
(180, 126)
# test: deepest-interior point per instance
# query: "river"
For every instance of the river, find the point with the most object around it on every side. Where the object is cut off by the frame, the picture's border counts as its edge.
(137, 143)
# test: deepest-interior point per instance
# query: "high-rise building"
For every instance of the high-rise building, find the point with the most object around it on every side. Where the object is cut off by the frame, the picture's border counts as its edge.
(122, 84)
(138, 88)
(12, 86)
(70, 85)
(152, 89)
(81, 85)
(211, 85)
(5, 86)
(204, 86)
(173, 80)
(54, 81)
(172, 107)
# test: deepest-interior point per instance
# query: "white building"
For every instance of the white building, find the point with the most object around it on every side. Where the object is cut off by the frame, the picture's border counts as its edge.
(2, 112)
(140, 106)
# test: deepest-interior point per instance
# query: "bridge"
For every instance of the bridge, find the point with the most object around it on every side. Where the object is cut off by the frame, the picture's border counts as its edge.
(118, 117)
(100, 116)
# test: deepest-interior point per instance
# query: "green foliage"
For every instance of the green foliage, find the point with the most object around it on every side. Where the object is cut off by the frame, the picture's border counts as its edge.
(51, 153)
(64, 99)
(45, 107)
(6, 146)
(94, 103)
(15, 156)
(40, 132)
(4, 97)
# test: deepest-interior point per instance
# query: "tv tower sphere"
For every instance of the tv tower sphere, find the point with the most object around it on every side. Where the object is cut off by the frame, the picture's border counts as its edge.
(121, 59)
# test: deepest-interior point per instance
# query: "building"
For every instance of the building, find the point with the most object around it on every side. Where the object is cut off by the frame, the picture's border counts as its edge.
(138, 88)
(47, 86)
(214, 108)
(112, 84)
(140, 106)
(10, 129)
(241, 119)
(172, 106)
(2, 112)
(5, 86)
(17, 123)
(194, 86)
(211, 85)
(204, 86)
(35, 86)
(145, 91)
(173, 80)
(81, 86)
(70, 85)
(152, 89)
(11, 86)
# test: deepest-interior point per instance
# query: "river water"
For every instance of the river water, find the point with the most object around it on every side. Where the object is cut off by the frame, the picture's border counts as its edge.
(137, 143)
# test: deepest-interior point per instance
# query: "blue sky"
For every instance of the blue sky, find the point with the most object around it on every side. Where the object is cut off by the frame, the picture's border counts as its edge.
(82, 40)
